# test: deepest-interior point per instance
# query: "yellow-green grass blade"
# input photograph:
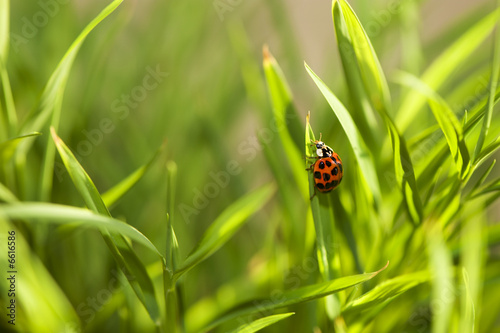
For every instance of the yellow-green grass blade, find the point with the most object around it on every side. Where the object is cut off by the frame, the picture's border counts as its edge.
(292, 297)
(443, 288)
(121, 249)
(225, 226)
(361, 151)
(40, 304)
(51, 102)
(491, 94)
(444, 66)
(281, 101)
(373, 77)
(386, 291)
(325, 231)
(261, 323)
(364, 114)
(111, 196)
(447, 121)
(48, 213)
(8, 148)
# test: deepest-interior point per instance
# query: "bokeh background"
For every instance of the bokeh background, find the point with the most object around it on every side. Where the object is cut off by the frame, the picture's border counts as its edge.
(206, 106)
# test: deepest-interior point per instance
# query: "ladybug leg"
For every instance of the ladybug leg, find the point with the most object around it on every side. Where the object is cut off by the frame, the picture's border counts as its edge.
(311, 167)
(314, 194)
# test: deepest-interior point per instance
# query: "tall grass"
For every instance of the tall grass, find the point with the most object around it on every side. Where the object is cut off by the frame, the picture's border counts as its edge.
(153, 170)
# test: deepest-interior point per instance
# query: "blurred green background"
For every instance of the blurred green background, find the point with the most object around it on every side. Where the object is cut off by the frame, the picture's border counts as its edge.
(208, 101)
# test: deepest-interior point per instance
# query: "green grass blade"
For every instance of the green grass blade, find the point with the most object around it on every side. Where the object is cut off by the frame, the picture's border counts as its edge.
(491, 95)
(225, 226)
(8, 99)
(7, 148)
(285, 116)
(111, 196)
(122, 251)
(442, 68)
(387, 291)
(373, 77)
(447, 121)
(261, 323)
(361, 151)
(48, 213)
(296, 296)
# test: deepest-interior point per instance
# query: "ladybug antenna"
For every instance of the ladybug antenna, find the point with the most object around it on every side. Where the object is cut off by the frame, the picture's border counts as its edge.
(320, 135)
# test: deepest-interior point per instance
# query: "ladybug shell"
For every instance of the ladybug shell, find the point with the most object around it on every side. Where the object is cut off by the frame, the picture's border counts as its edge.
(328, 172)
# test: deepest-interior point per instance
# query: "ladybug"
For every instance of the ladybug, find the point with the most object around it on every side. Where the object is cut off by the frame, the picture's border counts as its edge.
(327, 168)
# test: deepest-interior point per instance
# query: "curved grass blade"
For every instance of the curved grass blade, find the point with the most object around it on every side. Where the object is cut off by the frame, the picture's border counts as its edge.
(285, 116)
(261, 323)
(111, 196)
(386, 291)
(225, 226)
(445, 65)
(122, 251)
(4, 30)
(372, 75)
(446, 119)
(296, 296)
(51, 101)
(49, 213)
(359, 147)
(491, 95)
(7, 148)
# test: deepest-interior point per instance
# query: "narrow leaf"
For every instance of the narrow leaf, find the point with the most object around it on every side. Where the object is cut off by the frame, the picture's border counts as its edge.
(4, 30)
(443, 67)
(8, 147)
(359, 147)
(225, 226)
(6, 195)
(296, 296)
(59, 214)
(261, 323)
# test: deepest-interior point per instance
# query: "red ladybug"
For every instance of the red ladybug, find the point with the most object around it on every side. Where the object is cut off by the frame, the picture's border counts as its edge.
(327, 169)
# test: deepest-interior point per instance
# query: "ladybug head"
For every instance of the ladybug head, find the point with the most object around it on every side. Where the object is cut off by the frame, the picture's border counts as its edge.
(322, 150)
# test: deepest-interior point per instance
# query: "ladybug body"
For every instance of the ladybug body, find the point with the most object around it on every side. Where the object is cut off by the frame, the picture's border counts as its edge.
(327, 169)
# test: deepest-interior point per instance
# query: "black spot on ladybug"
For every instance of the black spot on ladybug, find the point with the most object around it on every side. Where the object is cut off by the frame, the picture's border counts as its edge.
(335, 183)
(326, 177)
(320, 186)
(328, 163)
(317, 175)
(329, 185)
(340, 167)
(334, 159)
(335, 171)
(321, 164)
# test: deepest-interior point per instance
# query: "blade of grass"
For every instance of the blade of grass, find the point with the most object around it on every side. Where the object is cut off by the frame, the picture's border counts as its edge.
(122, 251)
(443, 289)
(225, 226)
(296, 296)
(51, 102)
(361, 151)
(360, 59)
(386, 291)
(48, 213)
(7, 148)
(4, 30)
(281, 100)
(111, 196)
(261, 323)
(446, 119)
(6, 195)
(443, 67)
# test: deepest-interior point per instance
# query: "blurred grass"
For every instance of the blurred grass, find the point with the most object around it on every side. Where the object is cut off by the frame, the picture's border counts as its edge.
(232, 122)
